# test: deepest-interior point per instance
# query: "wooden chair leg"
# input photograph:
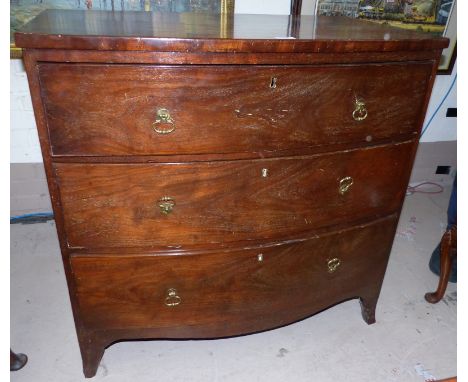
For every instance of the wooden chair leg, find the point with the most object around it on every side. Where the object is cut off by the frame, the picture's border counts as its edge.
(17, 361)
(446, 259)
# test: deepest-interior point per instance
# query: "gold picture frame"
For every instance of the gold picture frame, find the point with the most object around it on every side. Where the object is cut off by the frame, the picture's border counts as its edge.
(440, 18)
(449, 54)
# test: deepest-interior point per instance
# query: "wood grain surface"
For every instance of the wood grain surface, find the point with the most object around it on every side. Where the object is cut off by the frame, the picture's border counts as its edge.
(224, 58)
(97, 79)
(98, 110)
(224, 202)
(202, 32)
(231, 292)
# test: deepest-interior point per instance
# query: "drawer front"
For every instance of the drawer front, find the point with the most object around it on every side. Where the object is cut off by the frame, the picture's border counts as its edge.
(232, 292)
(143, 110)
(188, 204)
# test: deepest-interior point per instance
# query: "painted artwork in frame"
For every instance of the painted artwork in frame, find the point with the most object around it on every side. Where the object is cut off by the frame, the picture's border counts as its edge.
(22, 11)
(438, 17)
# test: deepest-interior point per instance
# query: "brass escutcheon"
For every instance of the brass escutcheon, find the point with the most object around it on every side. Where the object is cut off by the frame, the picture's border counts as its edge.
(360, 111)
(166, 204)
(273, 82)
(164, 124)
(345, 184)
(333, 264)
(172, 299)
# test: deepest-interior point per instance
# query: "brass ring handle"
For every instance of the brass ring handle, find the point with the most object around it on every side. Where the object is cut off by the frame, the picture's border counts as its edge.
(166, 204)
(172, 299)
(164, 124)
(333, 264)
(360, 111)
(345, 184)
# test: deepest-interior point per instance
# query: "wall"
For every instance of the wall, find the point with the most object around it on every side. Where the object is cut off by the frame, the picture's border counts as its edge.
(28, 190)
(272, 7)
(25, 144)
(441, 127)
(24, 141)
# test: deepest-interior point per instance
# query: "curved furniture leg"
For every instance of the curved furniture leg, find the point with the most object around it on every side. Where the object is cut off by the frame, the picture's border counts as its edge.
(92, 348)
(368, 305)
(448, 243)
(17, 361)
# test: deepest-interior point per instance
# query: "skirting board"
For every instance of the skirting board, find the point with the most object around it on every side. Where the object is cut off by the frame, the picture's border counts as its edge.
(28, 189)
(429, 156)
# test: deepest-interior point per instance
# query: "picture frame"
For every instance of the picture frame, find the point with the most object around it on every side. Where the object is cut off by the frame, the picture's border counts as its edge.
(438, 17)
(22, 11)
(449, 54)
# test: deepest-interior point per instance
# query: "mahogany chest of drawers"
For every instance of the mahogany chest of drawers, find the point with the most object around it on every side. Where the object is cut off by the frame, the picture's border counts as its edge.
(214, 176)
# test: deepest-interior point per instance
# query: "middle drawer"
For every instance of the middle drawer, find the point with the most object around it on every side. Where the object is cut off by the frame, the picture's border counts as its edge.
(174, 205)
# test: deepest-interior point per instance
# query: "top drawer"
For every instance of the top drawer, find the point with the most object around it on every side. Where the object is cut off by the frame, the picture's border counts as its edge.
(100, 110)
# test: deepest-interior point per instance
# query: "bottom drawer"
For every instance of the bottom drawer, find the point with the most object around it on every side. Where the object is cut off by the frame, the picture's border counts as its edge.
(225, 293)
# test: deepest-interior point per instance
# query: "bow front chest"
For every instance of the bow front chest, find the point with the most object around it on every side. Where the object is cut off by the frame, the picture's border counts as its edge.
(217, 175)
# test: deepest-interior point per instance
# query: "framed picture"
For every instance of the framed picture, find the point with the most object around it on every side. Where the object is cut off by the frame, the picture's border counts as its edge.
(21, 11)
(438, 17)
(449, 54)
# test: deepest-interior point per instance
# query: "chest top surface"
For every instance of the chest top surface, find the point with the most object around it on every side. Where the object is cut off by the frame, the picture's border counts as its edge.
(208, 32)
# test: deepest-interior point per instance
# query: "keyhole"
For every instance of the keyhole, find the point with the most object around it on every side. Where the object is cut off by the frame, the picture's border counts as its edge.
(273, 82)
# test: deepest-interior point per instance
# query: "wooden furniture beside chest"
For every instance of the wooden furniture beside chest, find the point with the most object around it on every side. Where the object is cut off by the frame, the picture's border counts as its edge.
(212, 179)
